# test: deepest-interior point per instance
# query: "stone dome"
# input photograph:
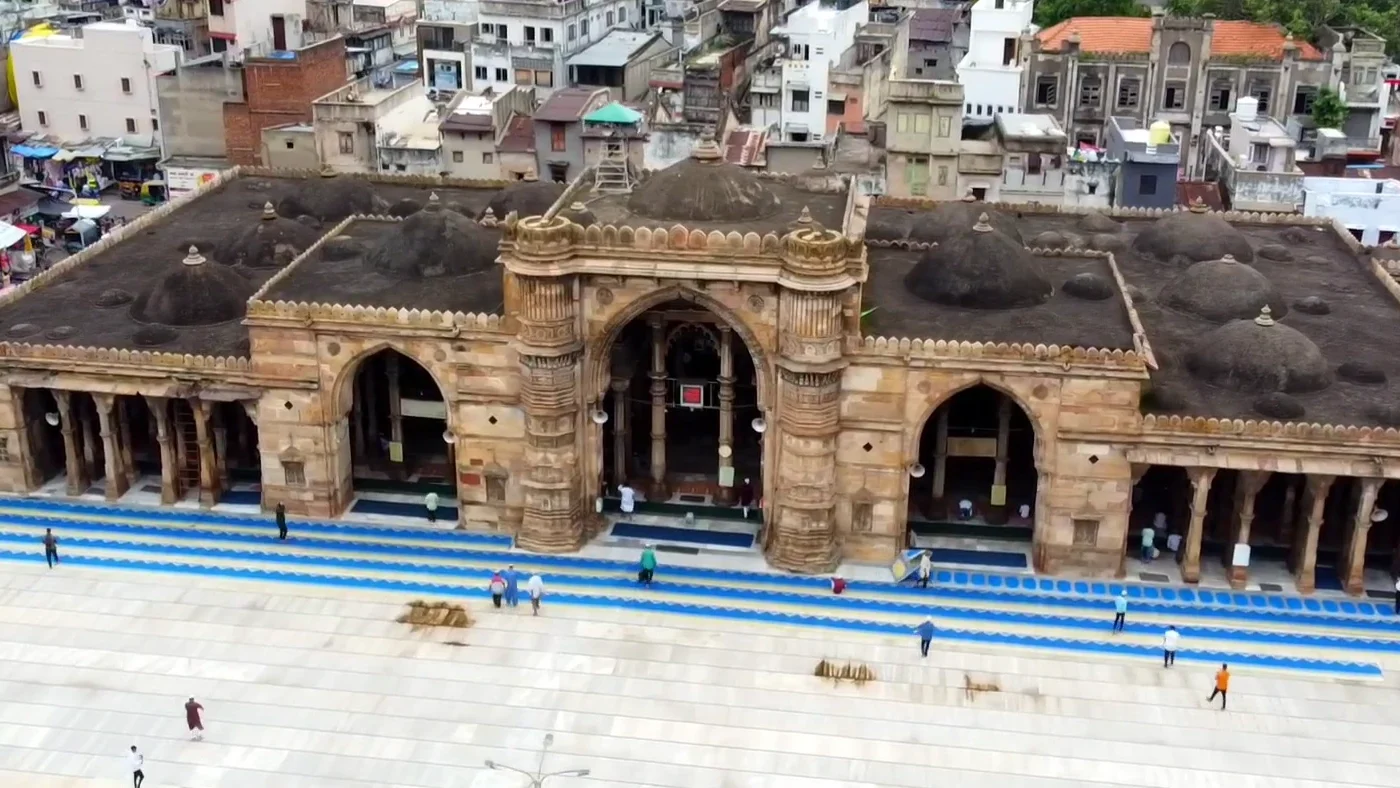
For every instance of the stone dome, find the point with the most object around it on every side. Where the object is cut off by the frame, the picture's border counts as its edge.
(1089, 287)
(332, 197)
(1259, 355)
(953, 218)
(271, 243)
(1221, 290)
(979, 268)
(1196, 235)
(435, 242)
(886, 224)
(194, 293)
(1095, 222)
(526, 198)
(704, 188)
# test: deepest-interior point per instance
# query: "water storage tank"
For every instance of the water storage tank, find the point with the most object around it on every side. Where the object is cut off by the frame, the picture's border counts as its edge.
(1159, 133)
(1247, 108)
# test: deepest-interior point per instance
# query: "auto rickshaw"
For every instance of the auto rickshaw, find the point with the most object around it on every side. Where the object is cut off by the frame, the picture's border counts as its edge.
(153, 192)
(80, 235)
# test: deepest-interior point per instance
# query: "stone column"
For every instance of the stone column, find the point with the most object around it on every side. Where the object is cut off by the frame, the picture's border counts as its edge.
(371, 410)
(169, 469)
(1289, 514)
(123, 414)
(1313, 508)
(1351, 566)
(1247, 487)
(357, 409)
(940, 454)
(622, 447)
(116, 485)
(1003, 446)
(78, 479)
(90, 438)
(208, 467)
(391, 372)
(726, 495)
(1201, 479)
(659, 490)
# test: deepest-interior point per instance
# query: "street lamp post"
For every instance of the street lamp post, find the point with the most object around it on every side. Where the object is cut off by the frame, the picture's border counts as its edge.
(538, 777)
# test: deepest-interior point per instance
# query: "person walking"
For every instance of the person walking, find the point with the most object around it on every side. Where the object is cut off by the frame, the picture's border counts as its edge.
(281, 513)
(648, 566)
(925, 632)
(747, 496)
(627, 497)
(1170, 640)
(1222, 685)
(1120, 612)
(925, 567)
(137, 762)
(50, 547)
(1397, 596)
(512, 579)
(535, 588)
(192, 710)
(430, 503)
(1148, 537)
(497, 586)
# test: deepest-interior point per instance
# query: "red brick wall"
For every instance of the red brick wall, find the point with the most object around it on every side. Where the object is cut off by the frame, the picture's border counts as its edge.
(279, 92)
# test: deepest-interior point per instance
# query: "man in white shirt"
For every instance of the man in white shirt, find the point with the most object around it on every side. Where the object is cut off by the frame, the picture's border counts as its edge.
(136, 760)
(965, 509)
(1170, 640)
(628, 496)
(535, 588)
(430, 502)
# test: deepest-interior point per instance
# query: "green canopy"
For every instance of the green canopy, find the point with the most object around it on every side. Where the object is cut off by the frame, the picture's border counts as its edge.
(613, 113)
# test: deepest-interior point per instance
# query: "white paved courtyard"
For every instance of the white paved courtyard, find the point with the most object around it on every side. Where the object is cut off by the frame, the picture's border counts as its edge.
(319, 687)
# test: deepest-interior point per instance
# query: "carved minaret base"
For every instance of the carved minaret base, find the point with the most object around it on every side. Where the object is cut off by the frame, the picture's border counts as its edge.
(802, 535)
(553, 521)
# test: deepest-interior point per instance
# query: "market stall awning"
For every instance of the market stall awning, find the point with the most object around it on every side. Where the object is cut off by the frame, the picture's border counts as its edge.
(33, 151)
(87, 212)
(10, 235)
(82, 151)
(131, 153)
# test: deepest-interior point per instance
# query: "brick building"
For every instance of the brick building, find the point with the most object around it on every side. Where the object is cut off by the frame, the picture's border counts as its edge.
(279, 90)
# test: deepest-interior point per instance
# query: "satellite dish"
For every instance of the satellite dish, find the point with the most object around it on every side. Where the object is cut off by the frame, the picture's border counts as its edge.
(759, 425)
(52, 418)
(599, 416)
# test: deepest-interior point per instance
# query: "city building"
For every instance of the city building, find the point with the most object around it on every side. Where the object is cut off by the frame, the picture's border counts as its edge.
(922, 136)
(349, 122)
(527, 42)
(278, 91)
(934, 50)
(1187, 72)
(1255, 162)
(257, 27)
(622, 61)
(183, 23)
(1034, 149)
(815, 37)
(991, 71)
(444, 35)
(191, 97)
(472, 126)
(559, 130)
(1368, 209)
(1148, 162)
(1362, 84)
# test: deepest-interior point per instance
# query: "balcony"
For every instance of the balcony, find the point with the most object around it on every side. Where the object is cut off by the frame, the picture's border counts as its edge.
(532, 9)
(1364, 144)
(1043, 182)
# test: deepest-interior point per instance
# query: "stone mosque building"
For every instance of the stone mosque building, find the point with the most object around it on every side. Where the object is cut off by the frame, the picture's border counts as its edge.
(868, 366)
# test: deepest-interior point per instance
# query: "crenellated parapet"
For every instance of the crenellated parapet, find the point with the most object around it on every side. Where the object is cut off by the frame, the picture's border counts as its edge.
(1199, 426)
(1241, 217)
(68, 356)
(386, 178)
(397, 317)
(905, 349)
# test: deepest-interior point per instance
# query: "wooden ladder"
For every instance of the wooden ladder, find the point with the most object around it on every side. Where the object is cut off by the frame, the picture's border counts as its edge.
(185, 429)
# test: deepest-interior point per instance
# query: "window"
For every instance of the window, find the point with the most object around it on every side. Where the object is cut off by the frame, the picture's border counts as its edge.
(131, 125)
(942, 175)
(347, 142)
(38, 80)
(82, 122)
(294, 473)
(945, 126)
(835, 107)
(479, 72)
(557, 140)
(457, 157)
(4, 448)
(572, 33)
(524, 76)
(766, 100)
(529, 34)
(1033, 163)
(1129, 91)
(43, 118)
(979, 193)
(544, 79)
(862, 517)
(77, 81)
(1220, 91)
(1179, 54)
(547, 35)
(1046, 90)
(583, 27)
(1147, 185)
(1090, 91)
(495, 485)
(801, 100)
(1174, 97)
(1086, 532)
(1259, 153)
(622, 14)
(290, 145)
(1303, 99)
(126, 84)
(488, 158)
(155, 124)
(502, 75)
(610, 19)
(1008, 51)
(216, 7)
(1259, 91)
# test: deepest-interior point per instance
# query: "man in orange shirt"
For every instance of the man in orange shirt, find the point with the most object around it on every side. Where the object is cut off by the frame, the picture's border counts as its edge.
(1222, 685)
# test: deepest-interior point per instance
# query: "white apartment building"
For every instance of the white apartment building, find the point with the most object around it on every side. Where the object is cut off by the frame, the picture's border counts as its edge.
(792, 96)
(991, 70)
(98, 81)
(259, 26)
(524, 43)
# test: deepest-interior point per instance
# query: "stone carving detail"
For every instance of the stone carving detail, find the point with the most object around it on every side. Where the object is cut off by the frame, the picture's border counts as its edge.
(605, 296)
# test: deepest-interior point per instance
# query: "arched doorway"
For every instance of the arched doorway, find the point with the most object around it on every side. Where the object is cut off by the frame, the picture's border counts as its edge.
(399, 438)
(682, 398)
(45, 436)
(976, 473)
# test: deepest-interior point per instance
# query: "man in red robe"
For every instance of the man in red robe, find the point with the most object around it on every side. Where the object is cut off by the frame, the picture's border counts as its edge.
(192, 711)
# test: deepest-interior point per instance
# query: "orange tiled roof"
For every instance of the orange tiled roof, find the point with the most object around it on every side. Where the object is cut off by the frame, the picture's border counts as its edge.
(1114, 35)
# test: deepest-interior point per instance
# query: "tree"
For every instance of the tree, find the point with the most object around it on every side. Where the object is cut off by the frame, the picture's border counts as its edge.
(1050, 12)
(1328, 110)
(1302, 18)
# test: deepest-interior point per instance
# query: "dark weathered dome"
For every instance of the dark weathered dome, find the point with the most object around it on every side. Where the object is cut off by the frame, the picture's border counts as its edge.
(194, 293)
(579, 214)
(526, 198)
(1196, 235)
(979, 268)
(1095, 222)
(704, 188)
(1312, 305)
(1220, 290)
(1089, 286)
(435, 242)
(331, 197)
(405, 207)
(1277, 405)
(953, 218)
(887, 224)
(1055, 239)
(1259, 355)
(1361, 372)
(1276, 252)
(271, 243)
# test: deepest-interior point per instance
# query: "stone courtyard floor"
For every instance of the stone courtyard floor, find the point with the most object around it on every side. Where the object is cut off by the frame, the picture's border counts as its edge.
(320, 687)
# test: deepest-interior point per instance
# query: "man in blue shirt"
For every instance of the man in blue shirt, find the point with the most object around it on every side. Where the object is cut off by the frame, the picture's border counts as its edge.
(1120, 612)
(925, 632)
(512, 579)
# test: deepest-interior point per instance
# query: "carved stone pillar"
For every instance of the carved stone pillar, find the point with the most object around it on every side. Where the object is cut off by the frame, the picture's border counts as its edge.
(72, 450)
(391, 374)
(1310, 514)
(169, 469)
(1003, 450)
(89, 443)
(123, 424)
(371, 409)
(116, 485)
(1284, 533)
(1351, 564)
(1247, 487)
(940, 454)
(1201, 479)
(204, 438)
(726, 412)
(659, 490)
(357, 410)
(622, 447)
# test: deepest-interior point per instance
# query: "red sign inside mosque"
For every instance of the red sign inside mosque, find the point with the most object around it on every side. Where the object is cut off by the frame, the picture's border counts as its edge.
(692, 395)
